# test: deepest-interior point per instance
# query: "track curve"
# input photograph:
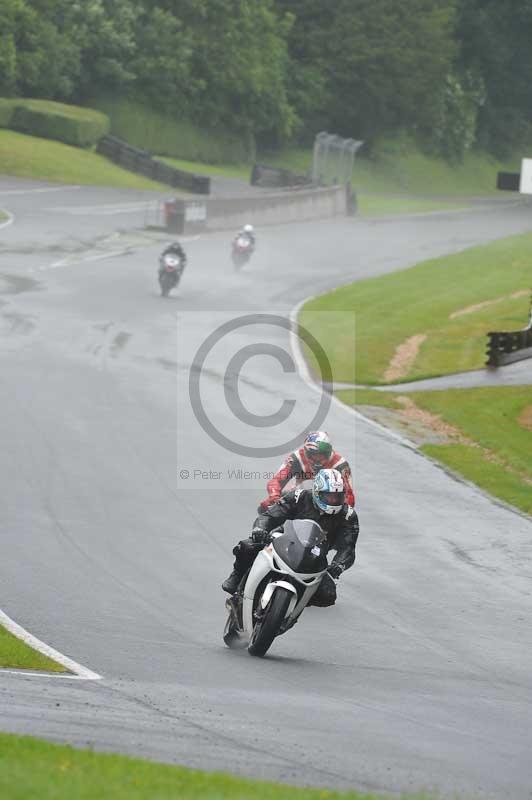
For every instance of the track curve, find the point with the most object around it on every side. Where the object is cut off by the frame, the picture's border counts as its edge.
(417, 679)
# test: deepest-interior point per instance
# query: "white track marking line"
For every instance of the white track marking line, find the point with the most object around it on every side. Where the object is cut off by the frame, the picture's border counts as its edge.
(26, 673)
(10, 218)
(67, 262)
(306, 376)
(79, 672)
(70, 262)
(103, 209)
(4, 192)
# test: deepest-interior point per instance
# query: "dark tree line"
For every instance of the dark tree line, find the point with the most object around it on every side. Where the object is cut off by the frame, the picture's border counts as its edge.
(452, 72)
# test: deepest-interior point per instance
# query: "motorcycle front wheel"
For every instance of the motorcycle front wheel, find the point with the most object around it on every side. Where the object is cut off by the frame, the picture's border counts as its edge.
(239, 261)
(166, 283)
(267, 628)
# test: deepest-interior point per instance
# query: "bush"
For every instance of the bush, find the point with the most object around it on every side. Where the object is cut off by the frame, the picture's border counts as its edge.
(81, 127)
(169, 135)
(6, 112)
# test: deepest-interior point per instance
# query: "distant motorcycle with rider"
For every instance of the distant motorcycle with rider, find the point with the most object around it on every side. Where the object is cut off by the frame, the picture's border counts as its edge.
(172, 263)
(243, 246)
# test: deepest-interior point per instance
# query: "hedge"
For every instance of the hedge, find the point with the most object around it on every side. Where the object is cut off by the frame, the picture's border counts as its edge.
(6, 113)
(81, 127)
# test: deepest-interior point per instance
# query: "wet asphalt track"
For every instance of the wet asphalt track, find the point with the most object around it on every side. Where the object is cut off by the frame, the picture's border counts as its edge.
(418, 679)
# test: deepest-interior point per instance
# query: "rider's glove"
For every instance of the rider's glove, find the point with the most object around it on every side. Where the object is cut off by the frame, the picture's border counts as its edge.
(269, 501)
(335, 570)
(260, 536)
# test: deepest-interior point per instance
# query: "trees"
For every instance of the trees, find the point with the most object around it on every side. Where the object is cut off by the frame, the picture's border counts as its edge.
(494, 39)
(238, 63)
(381, 65)
(450, 71)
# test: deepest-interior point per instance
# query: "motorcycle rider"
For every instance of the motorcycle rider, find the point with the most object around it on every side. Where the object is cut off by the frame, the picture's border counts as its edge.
(248, 232)
(325, 504)
(174, 249)
(316, 453)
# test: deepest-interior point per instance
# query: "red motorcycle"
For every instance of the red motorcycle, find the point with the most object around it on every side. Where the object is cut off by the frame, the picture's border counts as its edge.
(241, 250)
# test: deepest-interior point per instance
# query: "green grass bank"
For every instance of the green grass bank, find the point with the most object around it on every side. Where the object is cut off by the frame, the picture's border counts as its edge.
(172, 135)
(31, 768)
(485, 434)
(398, 179)
(431, 320)
(450, 303)
(43, 159)
(14, 654)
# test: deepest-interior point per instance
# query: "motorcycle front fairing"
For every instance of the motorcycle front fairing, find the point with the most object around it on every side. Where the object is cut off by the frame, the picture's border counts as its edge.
(300, 554)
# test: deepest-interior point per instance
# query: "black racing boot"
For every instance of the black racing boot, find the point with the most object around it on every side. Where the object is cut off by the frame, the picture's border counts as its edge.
(230, 584)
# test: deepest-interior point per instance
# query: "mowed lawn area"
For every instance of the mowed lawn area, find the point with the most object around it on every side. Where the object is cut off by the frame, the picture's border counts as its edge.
(486, 433)
(31, 768)
(431, 320)
(452, 302)
(44, 159)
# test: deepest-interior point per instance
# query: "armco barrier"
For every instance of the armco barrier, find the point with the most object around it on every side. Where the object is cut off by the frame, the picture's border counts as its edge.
(507, 347)
(140, 161)
(508, 181)
(274, 177)
(229, 213)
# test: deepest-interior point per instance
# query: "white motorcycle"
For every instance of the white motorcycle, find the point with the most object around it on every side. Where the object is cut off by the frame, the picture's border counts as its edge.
(280, 583)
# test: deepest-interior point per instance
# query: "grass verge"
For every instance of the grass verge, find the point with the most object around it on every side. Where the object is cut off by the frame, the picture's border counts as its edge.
(401, 167)
(3, 216)
(374, 205)
(242, 172)
(34, 768)
(172, 135)
(31, 157)
(452, 301)
(485, 434)
(389, 183)
(15, 654)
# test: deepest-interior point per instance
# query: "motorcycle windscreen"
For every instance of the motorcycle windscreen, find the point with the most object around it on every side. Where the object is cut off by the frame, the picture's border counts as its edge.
(302, 546)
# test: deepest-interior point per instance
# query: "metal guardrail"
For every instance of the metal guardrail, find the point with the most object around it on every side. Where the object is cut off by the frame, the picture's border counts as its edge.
(508, 181)
(505, 347)
(142, 162)
(275, 177)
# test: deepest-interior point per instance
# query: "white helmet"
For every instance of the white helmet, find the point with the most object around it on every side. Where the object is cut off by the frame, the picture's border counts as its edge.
(248, 229)
(328, 491)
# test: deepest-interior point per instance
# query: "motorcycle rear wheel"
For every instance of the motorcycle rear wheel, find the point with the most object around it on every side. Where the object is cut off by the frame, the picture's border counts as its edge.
(267, 628)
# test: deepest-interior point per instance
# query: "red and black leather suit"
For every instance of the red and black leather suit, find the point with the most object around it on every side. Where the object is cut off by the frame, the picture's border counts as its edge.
(297, 465)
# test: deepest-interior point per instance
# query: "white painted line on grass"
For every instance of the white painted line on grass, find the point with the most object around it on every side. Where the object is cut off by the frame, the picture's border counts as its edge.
(306, 376)
(79, 672)
(9, 220)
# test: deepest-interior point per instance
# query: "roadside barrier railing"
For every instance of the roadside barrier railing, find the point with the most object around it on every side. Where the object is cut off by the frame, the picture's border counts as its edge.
(142, 162)
(276, 177)
(505, 347)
